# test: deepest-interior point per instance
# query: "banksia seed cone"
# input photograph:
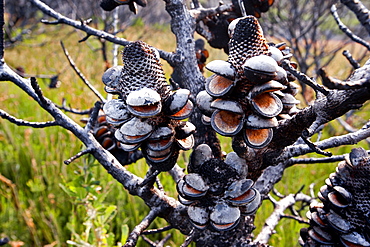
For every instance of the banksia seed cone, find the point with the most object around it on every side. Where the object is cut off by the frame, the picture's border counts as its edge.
(247, 41)
(343, 217)
(147, 114)
(246, 94)
(142, 68)
(216, 192)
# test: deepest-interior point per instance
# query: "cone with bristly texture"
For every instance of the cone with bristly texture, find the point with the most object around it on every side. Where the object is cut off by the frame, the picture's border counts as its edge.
(343, 216)
(245, 96)
(147, 113)
(217, 192)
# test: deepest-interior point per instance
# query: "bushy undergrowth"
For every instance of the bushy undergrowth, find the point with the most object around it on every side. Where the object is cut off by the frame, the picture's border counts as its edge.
(44, 202)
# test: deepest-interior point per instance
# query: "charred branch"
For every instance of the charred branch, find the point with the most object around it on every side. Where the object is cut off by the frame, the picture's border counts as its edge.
(313, 146)
(202, 13)
(61, 19)
(278, 213)
(304, 78)
(333, 83)
(21, 122)
(362, 13)
(93, 117)
(66, 108)
(79, 73)
(352, 61)
(79, 155)
(144, 224)
(325, 109)
(183, 26)
(348, 139)
(346, 30)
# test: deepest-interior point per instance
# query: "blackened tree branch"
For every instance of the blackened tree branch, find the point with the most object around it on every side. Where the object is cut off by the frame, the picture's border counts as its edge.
(361, 12)
(334, 83)
(304, 78)
(346, 30)
(21, 122)
(78, 155)
(144, 224)
(79, 73)
(352, 61)
(61, 19)
(183, 26)
(348, 139)
(202, 13)
(66, 108)
(278, 213)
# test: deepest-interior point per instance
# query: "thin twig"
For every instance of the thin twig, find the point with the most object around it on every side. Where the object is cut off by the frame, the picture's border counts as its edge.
(352, 61)
(159, 230)
(313, 146)
(136, 232)
(346, 30)
(160, 243)
(61, 19)
(93, 116)
(150, 177)
(278, 213)
(38, 91)
(296, 218)
(159, 184)
(304, 78)
(361, 12)
(277, 193)
(150, 242)
(79, 73)
(21, 122)
(164, 240)
(66, 108)
(80, 154)
(189, 238)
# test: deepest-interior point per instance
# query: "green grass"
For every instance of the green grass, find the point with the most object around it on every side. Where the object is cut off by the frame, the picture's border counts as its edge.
(33, 206)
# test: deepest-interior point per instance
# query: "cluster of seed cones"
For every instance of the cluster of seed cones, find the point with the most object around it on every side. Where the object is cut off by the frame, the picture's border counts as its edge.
(217, 192)
(343, 216)
(147, 113)
(249, 93)
(104, 134)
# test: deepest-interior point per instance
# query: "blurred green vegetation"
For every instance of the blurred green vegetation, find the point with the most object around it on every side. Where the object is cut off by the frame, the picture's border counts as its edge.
(44, 202)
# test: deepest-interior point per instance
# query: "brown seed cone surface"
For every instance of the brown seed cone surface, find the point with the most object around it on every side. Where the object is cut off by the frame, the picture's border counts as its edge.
(247, 41)
(142, 68)
(358, 183)
(344, 220)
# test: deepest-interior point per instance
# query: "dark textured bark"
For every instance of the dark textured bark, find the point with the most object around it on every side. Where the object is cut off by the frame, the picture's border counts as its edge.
(2, 23)
(183, 26)
(362, 13)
